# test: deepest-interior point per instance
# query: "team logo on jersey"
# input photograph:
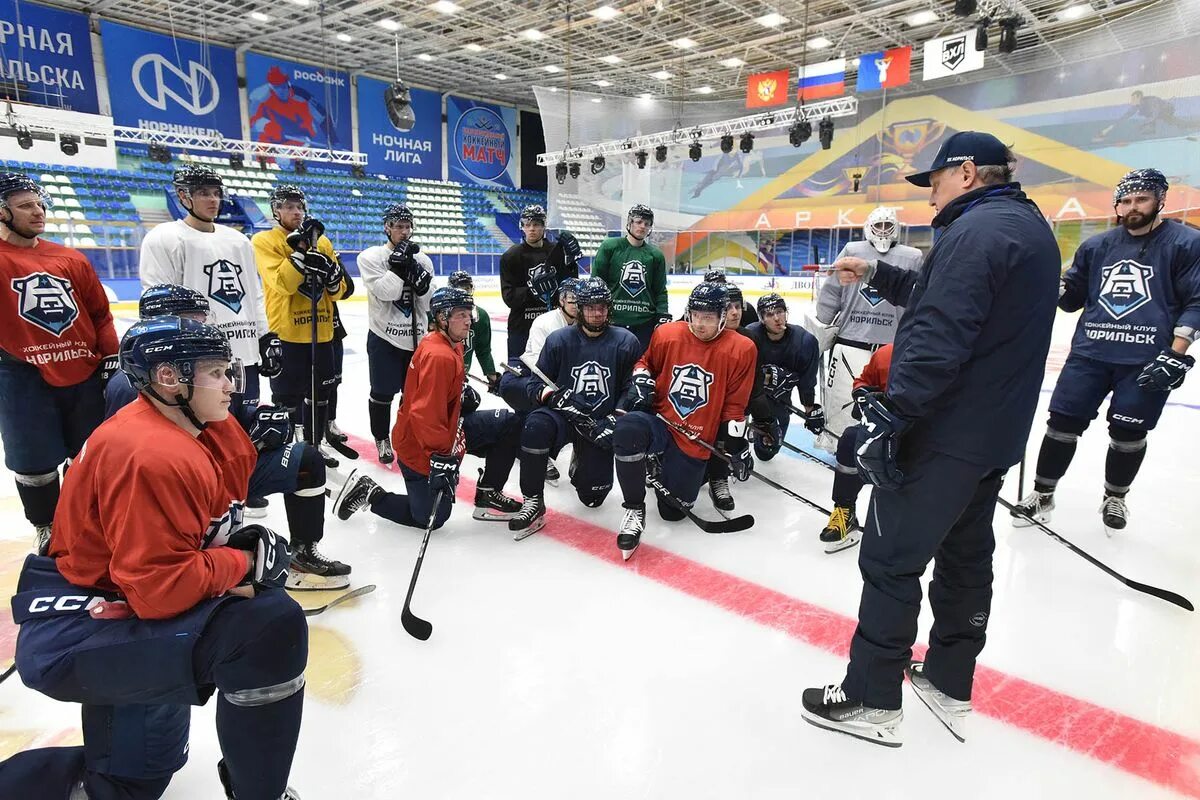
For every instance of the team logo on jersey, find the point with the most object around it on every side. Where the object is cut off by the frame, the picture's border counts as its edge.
(225, 284)
(405, 301)
(870, 295)
(590, 379)
(689, 388)
(633, 277)
(1125, 287)
(47, 301)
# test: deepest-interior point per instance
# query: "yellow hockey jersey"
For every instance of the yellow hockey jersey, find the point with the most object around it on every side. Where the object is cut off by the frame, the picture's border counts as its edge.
(289, 309)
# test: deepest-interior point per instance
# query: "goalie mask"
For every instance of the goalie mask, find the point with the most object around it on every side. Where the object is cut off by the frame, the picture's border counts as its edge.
(881, 228)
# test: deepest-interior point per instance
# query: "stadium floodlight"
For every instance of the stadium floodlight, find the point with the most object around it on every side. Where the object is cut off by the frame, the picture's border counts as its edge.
(981, 33)
(1008, 35)
(597, 165)
(965, 8)
(825, 133)
(727, 144)
(800, 132)
(660, 153)
(24, 138)
(560, 172)
(573, 168)
(695, 151)
(640, 157)
(746, 144)
(69, 144)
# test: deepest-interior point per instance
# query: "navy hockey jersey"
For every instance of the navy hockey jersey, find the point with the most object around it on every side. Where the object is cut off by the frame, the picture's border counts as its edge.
(797, 351)
(598, 369)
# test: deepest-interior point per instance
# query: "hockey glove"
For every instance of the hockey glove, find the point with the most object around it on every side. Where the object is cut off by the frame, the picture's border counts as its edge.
(272, 427)
(1166, 371)
(543, 282)
(570, 405)
(877, 446)
(109, 366)
(316, 266)
(493, 379)
(333, 278)
(767, 434)
(732, 440)
(602, 432)
(443, 474)
(779, 382)
(572, 252)
(306, 236)
(271, 555)
(662, 319)
(470, 399)
(641, 393)
(859, 398)
(814, 419)
(270, 355)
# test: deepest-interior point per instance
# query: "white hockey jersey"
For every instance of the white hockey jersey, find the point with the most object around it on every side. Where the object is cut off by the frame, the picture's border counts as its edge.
(220, 265)
(393, 321)
(542, 327)
(858, 311)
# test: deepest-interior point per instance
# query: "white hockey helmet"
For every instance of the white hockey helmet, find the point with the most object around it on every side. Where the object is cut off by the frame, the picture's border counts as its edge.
(881, 228)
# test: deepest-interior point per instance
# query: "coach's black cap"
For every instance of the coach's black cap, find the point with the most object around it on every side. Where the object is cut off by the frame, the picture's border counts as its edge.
(983, 149)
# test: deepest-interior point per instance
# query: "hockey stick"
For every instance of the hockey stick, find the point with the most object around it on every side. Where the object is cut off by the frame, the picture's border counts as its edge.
(8, 672)
(417, 627)
(359, 592)
(1161, 594)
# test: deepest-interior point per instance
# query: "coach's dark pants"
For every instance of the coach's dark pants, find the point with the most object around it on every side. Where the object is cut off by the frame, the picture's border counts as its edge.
(942, 512)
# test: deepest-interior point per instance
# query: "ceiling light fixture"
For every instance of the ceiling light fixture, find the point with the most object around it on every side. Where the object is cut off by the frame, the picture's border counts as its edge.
(605, 13)
(345, 38)
(684, 43)
(389, 24)
(533, 34)
(662, 75)
(819, 43)
(445, 7)
(771, 20)
(259, 16)
(731, 62)
(921, 18)
(611, 59)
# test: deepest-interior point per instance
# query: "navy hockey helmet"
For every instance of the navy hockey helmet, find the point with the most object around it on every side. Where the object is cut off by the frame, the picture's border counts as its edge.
(397, 212)
(708, 297)
(593, 291)
(13, 182)
(533, 213)
(734, 293)
(169, 299)
(461, 279)
(770, 302)
(639, 211)
(193, 176)
(715, 276)
(1142, 180)
(287, 191)
(447, 299)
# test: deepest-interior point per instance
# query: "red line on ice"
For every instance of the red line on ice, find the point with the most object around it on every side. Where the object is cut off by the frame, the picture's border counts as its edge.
(1139, 748)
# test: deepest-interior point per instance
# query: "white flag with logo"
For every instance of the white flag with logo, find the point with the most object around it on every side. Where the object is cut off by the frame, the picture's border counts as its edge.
(951, 55)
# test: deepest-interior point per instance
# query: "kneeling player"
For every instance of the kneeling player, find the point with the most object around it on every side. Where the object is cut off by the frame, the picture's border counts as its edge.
(154, 595)
(705, 379)
(428, 439)
(591, 364)
(294, 469)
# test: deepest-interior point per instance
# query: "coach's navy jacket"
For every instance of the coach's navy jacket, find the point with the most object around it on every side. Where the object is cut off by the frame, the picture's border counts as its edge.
(971, 348)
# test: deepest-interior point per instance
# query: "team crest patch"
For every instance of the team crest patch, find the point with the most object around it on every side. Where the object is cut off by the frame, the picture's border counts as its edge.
(633, 277)
(225, 284)
(1125, 287)
(871, 295)
(689, 388)
(47, 301)
(590, 380)
(405, 301)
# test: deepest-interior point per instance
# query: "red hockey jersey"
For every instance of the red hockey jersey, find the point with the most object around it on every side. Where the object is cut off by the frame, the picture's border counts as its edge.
(699, 385)
(427, 421)
(54, 313)
(140, 503)
(875, 373)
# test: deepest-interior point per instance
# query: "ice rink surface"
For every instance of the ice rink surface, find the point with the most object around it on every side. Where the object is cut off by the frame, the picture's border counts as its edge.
(556, 670)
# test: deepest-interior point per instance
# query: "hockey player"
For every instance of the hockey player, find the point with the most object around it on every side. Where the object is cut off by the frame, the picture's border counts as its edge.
(182, 600)
(591, 364)
(529, 273)
(399, 280)
(748, 314)
(294, 469)
(57, 347)
(636, 274)
(290, 264)
(479, 343)
(1139, 287)
(863, 319)
(843, 530)
(698, 378)
(435, 426)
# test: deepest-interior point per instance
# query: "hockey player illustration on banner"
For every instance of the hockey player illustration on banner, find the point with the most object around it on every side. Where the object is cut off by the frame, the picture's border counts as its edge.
(283, 113)
(479, 342)
(53, 304)
(184, 601)
(530, 271)
(636, 273)
(863, 320)
(399, 281)
(428, 440)
(590, 364)
(1139, 287)
(695, 376)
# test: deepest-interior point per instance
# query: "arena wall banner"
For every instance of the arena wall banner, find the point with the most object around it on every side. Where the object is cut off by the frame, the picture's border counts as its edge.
(292, 103)
(401, 137)
(47, 57)
(481, 142)
(169, 83)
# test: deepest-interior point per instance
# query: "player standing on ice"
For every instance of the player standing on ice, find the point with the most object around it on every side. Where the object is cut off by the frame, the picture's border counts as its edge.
(530, 271)
(1139, 287)
(54, 306)
(864, 319)
(636, 273)
(428, 439)
(963, 386)
(479, 342)
(591, 364)
(399, 281)
(696, 377)
(182, 600)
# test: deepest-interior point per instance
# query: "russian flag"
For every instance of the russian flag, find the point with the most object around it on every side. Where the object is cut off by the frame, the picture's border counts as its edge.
(827, 79)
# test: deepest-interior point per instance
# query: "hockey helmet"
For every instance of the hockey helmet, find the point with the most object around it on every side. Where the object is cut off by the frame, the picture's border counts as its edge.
(881, 228)
(461, 279)
(168, 299)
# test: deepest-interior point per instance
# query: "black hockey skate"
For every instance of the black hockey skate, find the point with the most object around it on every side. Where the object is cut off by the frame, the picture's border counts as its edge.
(829, 708)
(718, 492)
(311, 570)
(530, 519)
(355, 495)
(843, 530)
(491, 505)
(632, 526)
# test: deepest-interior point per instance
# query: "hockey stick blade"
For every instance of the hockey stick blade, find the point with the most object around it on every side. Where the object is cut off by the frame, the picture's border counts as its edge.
(1153, 591)
(417, 627)
(359, 592)
(343, 449)
(726, 525)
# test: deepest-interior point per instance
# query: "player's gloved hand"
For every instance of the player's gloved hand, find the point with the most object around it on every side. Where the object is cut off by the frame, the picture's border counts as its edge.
(767, 433)
(662, 319)
(641, 393)
(470, 398)
(732, 439)
(109, 366)
(572, 252)
(877, 444)
(443, 474)
(543, 281)
(814, 419)
(270, 355)
(569, 404)
(493, 379)
(859, 397)
(272, 427)
(402, 264)
(316, 265)
(602, 432)
(1166, 371)
(779, 382)
(271, 554)
(306, 236)
(333, 278)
